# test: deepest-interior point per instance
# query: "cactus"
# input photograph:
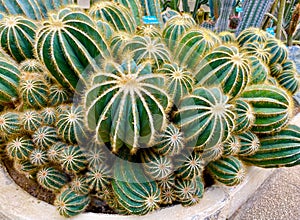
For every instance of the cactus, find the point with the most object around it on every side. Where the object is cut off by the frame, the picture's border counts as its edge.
(72, 159)
(96, 156)
(289, 80)
(67, 56)
(54, 151)
(10, 124)
(17, 35)
(135, 9)
(57, 95)
(70, 203)
(51, 178)
(288, 65)
(152, 8)
(167, 182)
(148, 31)
(168, 196)
(79, 185)
(249, 143)
(44, 137)
(127, 85)
(117, 43)
(271, 107)
(227, 37)
(9, 81)
(245, 116)
(133, 189)
(279, 150)
(32, 66)
(98, 178)
(70, 125)
(224, 66)
(251, 35)
(231, 146)
(48, 116)
(276, 69)
(194, 45)
(205, 117)
(147, 49)
(259, 71)
(31, 121)
(19, 148)
(225, 11)
(258, 50)
(227, 170)
(25, 167)
(253, 13)
(277, 49)
(38, 157)
(105, 28)
(116, 14)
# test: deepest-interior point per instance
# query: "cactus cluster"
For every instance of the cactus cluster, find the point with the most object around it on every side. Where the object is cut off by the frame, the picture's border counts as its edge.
(98, 104)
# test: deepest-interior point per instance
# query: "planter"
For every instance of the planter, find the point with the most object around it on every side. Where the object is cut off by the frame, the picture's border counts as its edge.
(219, 202)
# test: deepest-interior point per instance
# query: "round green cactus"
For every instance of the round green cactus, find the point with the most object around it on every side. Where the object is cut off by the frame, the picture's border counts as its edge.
(38, 157)
(288, 65)
(73, 159)
(135, 9)
(57, 95)
(114, 13)
(258, 50)
(127, 105)
(205, 117)
(32, 66)
(227, 170)
(271, 107)
(249, 143)
(31, 120)
(79, 185)
(48, 116)
(106, 29)
(232, 146)
(167, 182)
(227, 37)
(250, 35)
(9, 81)
(68, 43)
(17, 35)
(168, 196)
(54, 151)
(118, 42)
(148, 31)
(19, 148)
(98, 178)
(44, 137)
(70, 203)
(244, 116)
(70, 125)
(25, 167)
(289, 80)
(277, 49)
(276, 69)
(10, 124)
(259, 71)
(225, 66)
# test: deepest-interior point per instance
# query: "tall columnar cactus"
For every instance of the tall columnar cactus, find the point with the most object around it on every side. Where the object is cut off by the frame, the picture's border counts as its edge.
(127, 105)
(68, 43)
(225, 11)
(136, 192)
(205, 117)
(152, 8)
(272, 107)
(225, 66)
(253, 13)
(17, 35)
(280, 150)
(116, 14)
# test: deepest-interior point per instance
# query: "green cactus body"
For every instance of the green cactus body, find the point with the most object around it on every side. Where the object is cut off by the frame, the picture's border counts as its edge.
(279, 150)
(170, 142)
(148, 31)
(32, 66)
(25, 166)
(134, 191)
(147, 49)
(289, 80)
(70, 203)
(70, 125)
(152, 8)
(277, 49)
(258, 50)
(34, 90)
(188, 165)
(245, 116)
(167, 182)
(9, 82)
(67, 44)
(125, 100)
(272, 107)
(17, 36)
(118, 42)
(10, 124)
(179, 81)
(213, 153)
(194, 45)
(28, 8)
(288, 65)
(259, 71)
(276, 69)
(227, 37)
(114, 13)
(96, 155)
(73, 159)
(249, 143)
(54, 151)
(232, 146)
(19, 148)
(168, 196)
(38, 157)
(57, 95)
(174, 29)
(250, 35)
(44, 137)
(226, 67)
(135, 9)
(106, 29)
(98, 178)
(48, 116)
(31, 121)
(47, 6)
(227, 170)
(205, 117)
(79, 185)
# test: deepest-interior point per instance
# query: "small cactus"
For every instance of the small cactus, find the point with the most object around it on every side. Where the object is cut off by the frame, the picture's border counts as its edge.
(10, 124)
(51, 178)
(98, 178)
(31, 121)
(44, 137)
(73, 159)
(38, 157)
(19, 148)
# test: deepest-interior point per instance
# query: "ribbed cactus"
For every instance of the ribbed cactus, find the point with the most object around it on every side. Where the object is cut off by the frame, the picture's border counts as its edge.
(44, 137)
(289, 80)
(98, 178)
(72, 159)
(271, 107)
(135, 9)
(67, 57)
(48, 116)
(277, 49)
(31, 121)
(51, 178)
(19, 148)
(152, 8)
(118, 42)
(225, 66)
(17, 36)
(127, 110)
(57, 95)
(276, 69)
(249, 143)
(227, 170)
(205, 117)
(244, 116)
(223, 19)
(259, 71)
(54, 151)
(251, 35)
(232, 146)
(38, 157)
(79, 185)
(105, 28)
(227, 37)
(148, 31)
(10, 124)
(258, 50)
(278, 150)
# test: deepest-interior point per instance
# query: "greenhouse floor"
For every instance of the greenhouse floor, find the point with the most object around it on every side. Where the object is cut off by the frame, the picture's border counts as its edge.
(278, 198)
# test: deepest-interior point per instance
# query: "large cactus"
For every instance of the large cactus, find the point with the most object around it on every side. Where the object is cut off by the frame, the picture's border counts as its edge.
(225, 11)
